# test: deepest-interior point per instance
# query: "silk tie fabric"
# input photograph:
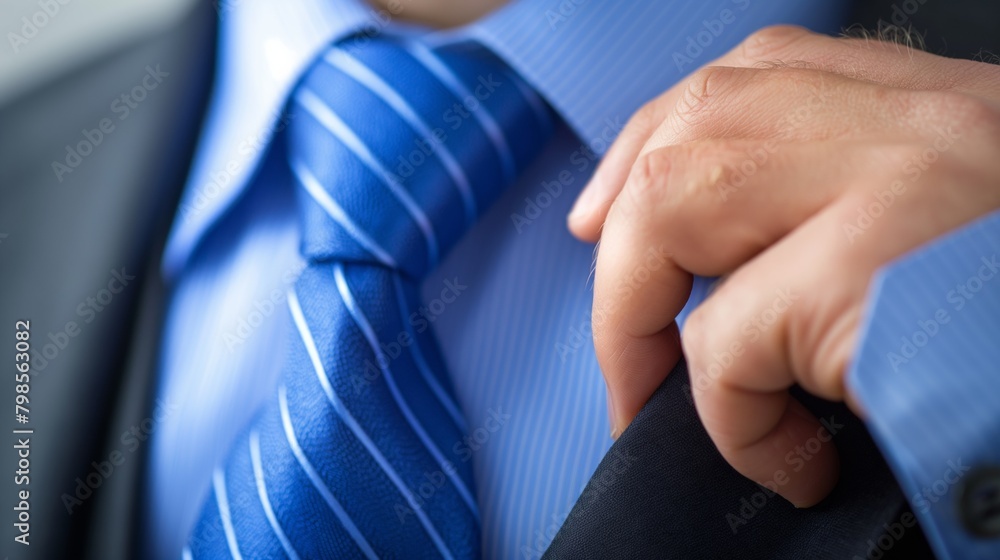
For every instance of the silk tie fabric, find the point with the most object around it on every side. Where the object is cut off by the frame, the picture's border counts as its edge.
(396, 148)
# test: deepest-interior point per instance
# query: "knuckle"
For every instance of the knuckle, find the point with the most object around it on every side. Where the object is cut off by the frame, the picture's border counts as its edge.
(646, 186)
(902, 105)
(681, 182)
(706, 167)
(676, 191)
(965, 108)
(832, 340)
(960, 110)
(771, 42)
(827, 377)
(693, 108)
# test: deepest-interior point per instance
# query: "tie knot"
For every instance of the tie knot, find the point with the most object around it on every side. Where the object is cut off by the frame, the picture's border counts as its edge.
(398, 148)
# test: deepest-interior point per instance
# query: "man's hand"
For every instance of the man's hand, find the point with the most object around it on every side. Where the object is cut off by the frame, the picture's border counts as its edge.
(794, 166)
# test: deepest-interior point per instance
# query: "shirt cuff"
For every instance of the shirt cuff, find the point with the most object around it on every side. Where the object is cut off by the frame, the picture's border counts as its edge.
(927, 374)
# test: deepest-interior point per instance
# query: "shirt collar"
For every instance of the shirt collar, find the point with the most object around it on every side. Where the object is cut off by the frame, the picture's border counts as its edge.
(595, 61)
(264, 47)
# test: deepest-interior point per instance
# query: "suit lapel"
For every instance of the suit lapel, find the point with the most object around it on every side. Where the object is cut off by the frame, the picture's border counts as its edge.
(664, 491)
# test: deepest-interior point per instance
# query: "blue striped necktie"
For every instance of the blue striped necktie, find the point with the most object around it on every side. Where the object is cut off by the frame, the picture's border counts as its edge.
(396, 149)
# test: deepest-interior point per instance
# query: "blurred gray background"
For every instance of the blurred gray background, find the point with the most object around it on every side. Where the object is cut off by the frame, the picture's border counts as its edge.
(63, 66)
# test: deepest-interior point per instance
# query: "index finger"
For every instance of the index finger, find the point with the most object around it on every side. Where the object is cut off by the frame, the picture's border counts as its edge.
(638, 290)
(869, 61)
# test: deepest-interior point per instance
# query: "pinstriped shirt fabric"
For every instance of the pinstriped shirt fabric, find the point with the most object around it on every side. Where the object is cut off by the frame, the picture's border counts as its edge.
(928, 373)
(514, 332)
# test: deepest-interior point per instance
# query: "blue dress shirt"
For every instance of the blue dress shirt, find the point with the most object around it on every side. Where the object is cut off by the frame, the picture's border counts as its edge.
(927, 372)
(510, 305)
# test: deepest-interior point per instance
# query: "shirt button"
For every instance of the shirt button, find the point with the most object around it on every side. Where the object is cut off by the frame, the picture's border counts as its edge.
(979, 502)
